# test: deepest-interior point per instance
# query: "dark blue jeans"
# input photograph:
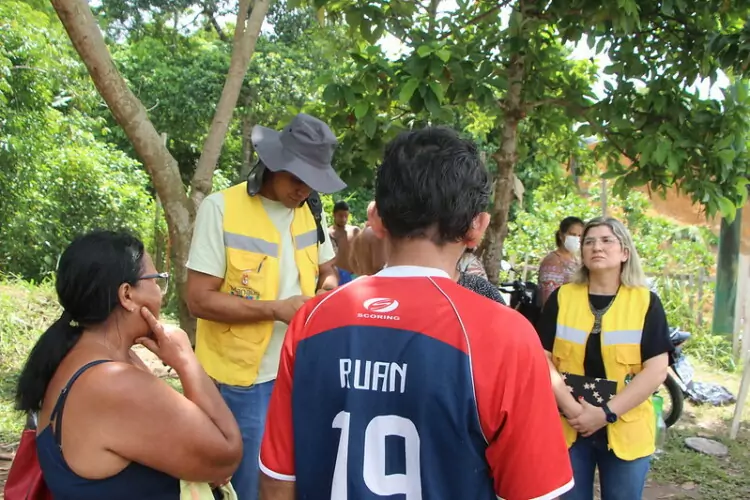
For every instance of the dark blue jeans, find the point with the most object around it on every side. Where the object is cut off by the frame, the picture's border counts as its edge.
(619, 479)
(249, 406)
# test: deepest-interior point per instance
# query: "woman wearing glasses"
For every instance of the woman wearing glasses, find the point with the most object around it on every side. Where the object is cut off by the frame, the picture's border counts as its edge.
(126, 434)
(606, 324)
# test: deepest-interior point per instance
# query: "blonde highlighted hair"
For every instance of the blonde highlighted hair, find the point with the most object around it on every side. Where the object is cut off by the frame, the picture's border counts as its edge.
(631, 271)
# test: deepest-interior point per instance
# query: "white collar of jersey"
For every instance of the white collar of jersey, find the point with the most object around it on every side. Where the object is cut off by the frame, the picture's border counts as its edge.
(412, 271)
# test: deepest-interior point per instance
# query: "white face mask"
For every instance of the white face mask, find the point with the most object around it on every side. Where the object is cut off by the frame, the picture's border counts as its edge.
(572, 243)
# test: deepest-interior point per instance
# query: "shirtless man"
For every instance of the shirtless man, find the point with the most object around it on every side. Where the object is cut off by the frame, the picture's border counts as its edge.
(341, 235)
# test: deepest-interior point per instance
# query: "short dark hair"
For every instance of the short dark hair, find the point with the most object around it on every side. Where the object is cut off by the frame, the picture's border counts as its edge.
(340, 206)
(89, 276)
(566, 224)
(431, 184)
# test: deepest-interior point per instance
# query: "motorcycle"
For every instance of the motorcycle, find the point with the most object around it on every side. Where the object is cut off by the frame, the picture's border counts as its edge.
(679, 378)
(523, 296)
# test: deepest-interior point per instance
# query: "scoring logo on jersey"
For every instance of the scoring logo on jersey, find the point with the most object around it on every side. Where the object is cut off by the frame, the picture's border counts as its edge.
(379, 307)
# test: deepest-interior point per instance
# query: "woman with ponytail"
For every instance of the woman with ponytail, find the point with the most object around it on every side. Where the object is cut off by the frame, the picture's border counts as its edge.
(126, 433)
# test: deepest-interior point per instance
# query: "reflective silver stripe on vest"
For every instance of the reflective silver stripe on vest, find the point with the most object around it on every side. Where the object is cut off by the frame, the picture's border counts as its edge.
(622, 337)
(250, 244)
(571, 334)
(307, 239)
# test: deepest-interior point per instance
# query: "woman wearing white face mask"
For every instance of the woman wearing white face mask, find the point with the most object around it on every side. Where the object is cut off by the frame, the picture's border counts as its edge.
(558, 267)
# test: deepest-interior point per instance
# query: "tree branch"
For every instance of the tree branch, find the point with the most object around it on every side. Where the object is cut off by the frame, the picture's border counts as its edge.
(246, 35)
(224, 38)
(544, 102)
(479, 17)
(488, 13)
(88, 41)
(30, 68)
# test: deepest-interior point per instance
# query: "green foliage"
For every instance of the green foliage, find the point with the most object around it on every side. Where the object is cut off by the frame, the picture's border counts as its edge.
(179, 76)
(57, 179)
(465, 61)
(665, 247)
(137, 17)
(683, 307)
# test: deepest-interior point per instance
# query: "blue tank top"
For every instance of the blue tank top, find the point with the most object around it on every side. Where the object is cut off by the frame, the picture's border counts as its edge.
(134, 481)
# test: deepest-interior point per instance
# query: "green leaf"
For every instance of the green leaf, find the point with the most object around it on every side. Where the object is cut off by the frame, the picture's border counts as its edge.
(600, 45)
(354, 18)
(611, 174)
(662, 151)
(727, 208)
(727, 156)
(432, 104)
(725, 142)
(369, 125)
(361, 109)
(424, 51)
(444, 55)
(408, 90)
(350, 96)
(741, 184)
(331, 94)
(674, 164)
(438, 90)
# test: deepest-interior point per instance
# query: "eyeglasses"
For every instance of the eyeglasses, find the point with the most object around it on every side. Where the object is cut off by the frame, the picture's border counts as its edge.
(162, 279)
(606, 241)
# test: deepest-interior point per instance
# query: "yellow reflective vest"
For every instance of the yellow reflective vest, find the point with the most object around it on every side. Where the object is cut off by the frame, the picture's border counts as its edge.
(633, 435)
(231, 353)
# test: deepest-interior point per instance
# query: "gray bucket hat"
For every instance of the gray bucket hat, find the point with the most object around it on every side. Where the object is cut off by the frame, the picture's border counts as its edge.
(304, 148)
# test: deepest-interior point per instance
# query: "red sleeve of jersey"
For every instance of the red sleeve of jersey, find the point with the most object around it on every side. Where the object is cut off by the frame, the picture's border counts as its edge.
(526, 451)
(277, 447)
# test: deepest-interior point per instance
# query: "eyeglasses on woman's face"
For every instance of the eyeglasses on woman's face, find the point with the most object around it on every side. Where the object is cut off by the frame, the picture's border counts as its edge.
(605, 241)
(162, 279)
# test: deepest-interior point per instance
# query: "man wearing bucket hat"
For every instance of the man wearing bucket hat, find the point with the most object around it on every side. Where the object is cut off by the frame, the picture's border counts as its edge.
(258, 253)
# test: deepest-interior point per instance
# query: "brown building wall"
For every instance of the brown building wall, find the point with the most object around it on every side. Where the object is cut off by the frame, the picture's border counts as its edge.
(680, 208)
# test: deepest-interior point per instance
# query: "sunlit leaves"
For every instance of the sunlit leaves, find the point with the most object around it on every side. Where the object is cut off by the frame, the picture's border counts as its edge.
(58, 178)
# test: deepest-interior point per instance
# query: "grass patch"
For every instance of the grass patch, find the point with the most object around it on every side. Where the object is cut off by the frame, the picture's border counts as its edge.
(715, 478)
(26, 310)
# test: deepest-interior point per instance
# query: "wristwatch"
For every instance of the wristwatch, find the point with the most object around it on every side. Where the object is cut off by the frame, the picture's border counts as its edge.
(611, 416)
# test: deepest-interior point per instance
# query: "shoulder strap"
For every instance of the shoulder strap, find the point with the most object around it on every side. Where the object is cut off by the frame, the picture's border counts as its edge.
(316, 207)
(56, 415)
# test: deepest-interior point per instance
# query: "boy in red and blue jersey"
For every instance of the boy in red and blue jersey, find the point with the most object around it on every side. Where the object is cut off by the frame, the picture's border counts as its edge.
(405, 385)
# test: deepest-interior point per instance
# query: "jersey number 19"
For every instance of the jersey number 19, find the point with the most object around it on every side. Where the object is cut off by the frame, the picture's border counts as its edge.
(374, 468)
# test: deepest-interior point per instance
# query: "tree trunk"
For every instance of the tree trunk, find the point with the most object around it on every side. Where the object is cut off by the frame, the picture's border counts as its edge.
(247, 143)
(432, 15)
(246, 35)
(505, 157)
(131, 115)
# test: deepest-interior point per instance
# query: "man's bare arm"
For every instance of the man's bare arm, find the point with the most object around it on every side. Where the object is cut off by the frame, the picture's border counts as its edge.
(328, 278)
(274, 489)
(205, 301)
